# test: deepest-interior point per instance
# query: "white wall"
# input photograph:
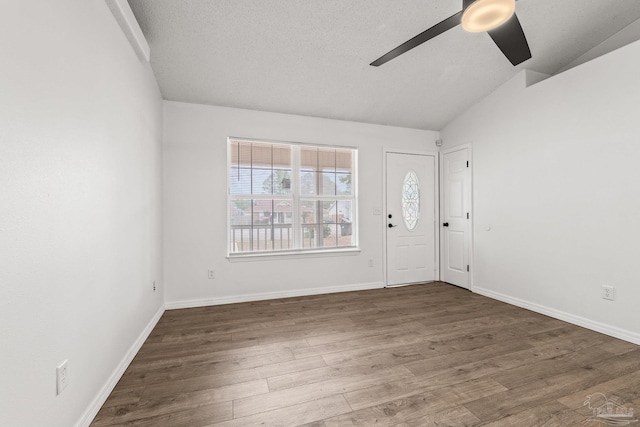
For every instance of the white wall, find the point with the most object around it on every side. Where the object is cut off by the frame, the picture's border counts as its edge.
(194, 204)
(555, 169)
(80, 224)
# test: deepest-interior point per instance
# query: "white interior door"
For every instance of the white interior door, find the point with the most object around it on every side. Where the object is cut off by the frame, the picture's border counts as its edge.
(411, 218)
(456, 217)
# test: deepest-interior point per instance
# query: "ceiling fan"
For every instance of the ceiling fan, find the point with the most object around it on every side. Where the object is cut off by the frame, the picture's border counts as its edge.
(497, 17)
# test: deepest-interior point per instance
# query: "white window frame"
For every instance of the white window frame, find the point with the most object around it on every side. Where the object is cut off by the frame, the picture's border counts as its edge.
(298, 250)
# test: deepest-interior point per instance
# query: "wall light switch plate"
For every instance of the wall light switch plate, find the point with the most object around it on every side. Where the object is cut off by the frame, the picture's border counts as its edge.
(62, 377)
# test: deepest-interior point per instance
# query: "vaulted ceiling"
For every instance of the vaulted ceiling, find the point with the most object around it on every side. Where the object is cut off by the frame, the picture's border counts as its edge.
(311, 57)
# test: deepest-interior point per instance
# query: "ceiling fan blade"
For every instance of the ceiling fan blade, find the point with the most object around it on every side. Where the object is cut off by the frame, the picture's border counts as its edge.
(424, 36)
(511, 40)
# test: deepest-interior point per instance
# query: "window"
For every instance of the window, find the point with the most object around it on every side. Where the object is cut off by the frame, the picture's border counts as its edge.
(290, 197)
(410, 200)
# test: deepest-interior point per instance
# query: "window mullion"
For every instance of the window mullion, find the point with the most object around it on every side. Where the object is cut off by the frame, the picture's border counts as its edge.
(295, 192)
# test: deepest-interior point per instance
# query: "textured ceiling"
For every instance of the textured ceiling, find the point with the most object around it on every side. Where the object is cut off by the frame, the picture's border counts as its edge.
(311, 57)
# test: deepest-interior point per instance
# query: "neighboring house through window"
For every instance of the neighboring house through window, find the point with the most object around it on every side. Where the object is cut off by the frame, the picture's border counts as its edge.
(290, 197)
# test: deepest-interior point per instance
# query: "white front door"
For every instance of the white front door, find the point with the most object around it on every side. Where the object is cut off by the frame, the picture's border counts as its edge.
(455, 217)
(410, 218)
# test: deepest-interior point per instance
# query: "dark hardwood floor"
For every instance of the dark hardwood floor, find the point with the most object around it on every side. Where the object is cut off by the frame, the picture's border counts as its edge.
(423, 355)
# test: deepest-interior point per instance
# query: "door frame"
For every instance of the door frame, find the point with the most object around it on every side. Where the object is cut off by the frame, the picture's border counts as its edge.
(436, 197)
(441, 153)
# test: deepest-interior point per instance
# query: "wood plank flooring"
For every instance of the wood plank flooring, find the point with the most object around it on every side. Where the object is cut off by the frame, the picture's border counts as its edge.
(424, 355)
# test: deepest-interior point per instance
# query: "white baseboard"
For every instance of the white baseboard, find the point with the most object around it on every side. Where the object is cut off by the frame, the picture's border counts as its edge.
(271, 295)
(106, 390)
(603, 328)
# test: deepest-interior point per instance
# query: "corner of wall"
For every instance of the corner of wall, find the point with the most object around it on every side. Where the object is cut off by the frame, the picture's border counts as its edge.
(533, 77)
(629, 34)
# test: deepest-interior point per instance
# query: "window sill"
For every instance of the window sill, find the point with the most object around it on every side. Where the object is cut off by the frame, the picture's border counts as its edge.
(292, 255)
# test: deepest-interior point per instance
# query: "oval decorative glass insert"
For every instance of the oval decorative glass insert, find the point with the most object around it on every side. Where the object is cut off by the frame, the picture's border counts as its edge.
(410, 200)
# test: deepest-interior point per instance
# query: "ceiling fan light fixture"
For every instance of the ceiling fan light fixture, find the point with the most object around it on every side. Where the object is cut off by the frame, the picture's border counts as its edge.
(485, 15)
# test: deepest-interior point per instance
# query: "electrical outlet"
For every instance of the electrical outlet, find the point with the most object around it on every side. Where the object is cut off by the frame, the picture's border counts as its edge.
(154, 286)
(370, 262)
(62, 377)
(377, 211)
(212, 273)
(608, 292)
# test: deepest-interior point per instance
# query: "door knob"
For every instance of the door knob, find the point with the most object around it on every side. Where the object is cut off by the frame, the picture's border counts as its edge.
(446, 224)
(391, 225)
